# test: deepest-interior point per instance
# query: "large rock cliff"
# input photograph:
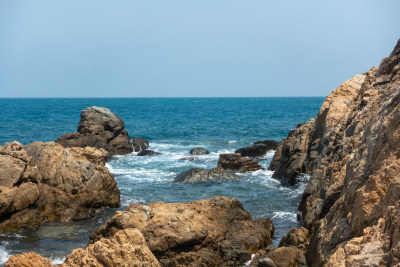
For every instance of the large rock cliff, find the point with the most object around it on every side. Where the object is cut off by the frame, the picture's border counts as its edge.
(352, 153)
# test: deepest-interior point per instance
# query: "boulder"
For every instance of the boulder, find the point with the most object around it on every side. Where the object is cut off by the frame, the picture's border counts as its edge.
(196, 175)
(216, 231)
(199, 151)
(235, 162)
(298, 237)
(148, 153)
(270, 144)
(28, 259)
(140, 144)
(99, 128)
(56, 184)
(258, 149)
(279, 257)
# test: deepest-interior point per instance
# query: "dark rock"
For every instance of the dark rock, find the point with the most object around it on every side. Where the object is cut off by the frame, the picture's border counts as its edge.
(196, 175)
(199, 151)
(189, 158)
(99, 128)
(270, 144)
(140, 144)
(257, 150)
(234, 161)
(148, 153)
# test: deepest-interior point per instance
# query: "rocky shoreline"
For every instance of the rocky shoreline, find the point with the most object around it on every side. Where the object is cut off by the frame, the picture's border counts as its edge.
(349, 211)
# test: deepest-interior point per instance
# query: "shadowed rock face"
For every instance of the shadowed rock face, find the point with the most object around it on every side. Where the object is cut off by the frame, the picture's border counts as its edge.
(52, 183)
(197, 175)
(99, 128)
(351, 203)
(140, 144)
(207, 232)
(258, 149)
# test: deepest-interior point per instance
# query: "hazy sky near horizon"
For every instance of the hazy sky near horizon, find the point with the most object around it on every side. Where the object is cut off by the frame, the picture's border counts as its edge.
(180, 48)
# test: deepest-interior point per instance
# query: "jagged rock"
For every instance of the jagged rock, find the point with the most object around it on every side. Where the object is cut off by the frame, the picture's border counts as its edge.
(199, 151)
(235, 161)
(140, 144)
(216, 231)
(126, 248)
(56, 184)
(351, 203)
(258, 149)
(28, 259)
(196, 175)
(298, 237)
(279, 257)
(148, 153)
(99, 128)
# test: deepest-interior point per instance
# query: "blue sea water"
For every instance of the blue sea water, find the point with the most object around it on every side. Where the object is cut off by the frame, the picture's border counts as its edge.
(173, 126)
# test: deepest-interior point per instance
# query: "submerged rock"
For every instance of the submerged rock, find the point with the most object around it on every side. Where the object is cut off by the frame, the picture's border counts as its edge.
(148, 153)
(351, 204)
(199, 151)
(140, 144)
(216, 231)
(52, 183)
(99, 128)
(196, 175)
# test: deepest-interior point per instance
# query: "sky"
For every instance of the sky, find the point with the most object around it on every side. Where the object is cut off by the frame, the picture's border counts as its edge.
(181, 48)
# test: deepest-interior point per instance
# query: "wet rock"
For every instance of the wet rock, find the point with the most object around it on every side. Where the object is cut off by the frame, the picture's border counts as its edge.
(270, 144)
(99, 128)
(189, 158)
(199, 151)
(216, 231)
(56, 184)
(235, 161)
(148, 153)
(140, 144)
(196, 175)
(258, 149)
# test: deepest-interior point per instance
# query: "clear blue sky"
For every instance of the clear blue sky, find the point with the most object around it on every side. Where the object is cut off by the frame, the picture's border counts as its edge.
(129, 48)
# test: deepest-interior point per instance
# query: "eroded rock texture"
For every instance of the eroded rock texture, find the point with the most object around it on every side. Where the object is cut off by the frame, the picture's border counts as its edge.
(351, 203)
(44, 182)
(99, 128)
(210, 232)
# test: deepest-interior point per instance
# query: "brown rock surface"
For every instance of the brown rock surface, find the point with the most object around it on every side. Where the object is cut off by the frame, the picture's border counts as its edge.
(351, 203)
(28, 259)
(99, 128)
(235, 162)
(214, 231)
(56, 184)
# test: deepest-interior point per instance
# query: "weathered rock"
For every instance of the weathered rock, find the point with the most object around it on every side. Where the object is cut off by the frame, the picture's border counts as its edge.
(279, 257)
(351, 203)
(216, 231)
(234, 161)
(148, 153)
(28, 259)
(126, 248)
(140, 144)
(99, 128)
(298, 237)
(199, 151)
(257, 150)
(196, 175)
(271, 144)
(57, 184)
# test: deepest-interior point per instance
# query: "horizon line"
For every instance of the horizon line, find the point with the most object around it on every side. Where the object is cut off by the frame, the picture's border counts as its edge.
(94, 97)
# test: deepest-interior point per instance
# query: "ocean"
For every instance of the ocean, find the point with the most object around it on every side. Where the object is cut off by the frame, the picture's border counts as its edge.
(173, 126)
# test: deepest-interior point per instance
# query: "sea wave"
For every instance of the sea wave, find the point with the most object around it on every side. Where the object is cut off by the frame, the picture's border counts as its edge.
(3, 255)
(285, 216)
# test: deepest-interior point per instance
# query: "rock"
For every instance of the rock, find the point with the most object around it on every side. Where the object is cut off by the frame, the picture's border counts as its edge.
(56, 184)
(196, 175)
(189, 158)
(28, 259)
(257, 150)
(296, 237)
(126, 248)
(351, 203)
(99, 128)
(270, 144)
(199, 151)
(148, 153)
(234, 161)
(140, 144)
(279, 257)
(216, 231)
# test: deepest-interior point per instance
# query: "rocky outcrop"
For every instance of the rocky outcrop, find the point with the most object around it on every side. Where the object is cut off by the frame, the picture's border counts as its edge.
(148, 152)
(99, 128)
(351, 203)
(258, 149)
(235, 162)
(140, 144)
(197, 175)
(44, 182)
(216, 231)
(126, 248)
(199, 151)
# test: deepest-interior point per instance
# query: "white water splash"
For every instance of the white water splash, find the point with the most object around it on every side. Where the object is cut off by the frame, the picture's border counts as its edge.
(3, 255)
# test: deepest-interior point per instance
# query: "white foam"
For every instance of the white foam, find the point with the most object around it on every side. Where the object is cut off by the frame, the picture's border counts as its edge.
(285, 216)
(55, 261)
(247, 263)
(3, 255)
(232, 141)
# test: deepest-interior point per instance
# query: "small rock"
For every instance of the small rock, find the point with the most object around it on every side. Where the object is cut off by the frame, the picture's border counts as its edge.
(199, 151)
(148, 153)
(189, 158)
(196, 175)
(140, 144)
